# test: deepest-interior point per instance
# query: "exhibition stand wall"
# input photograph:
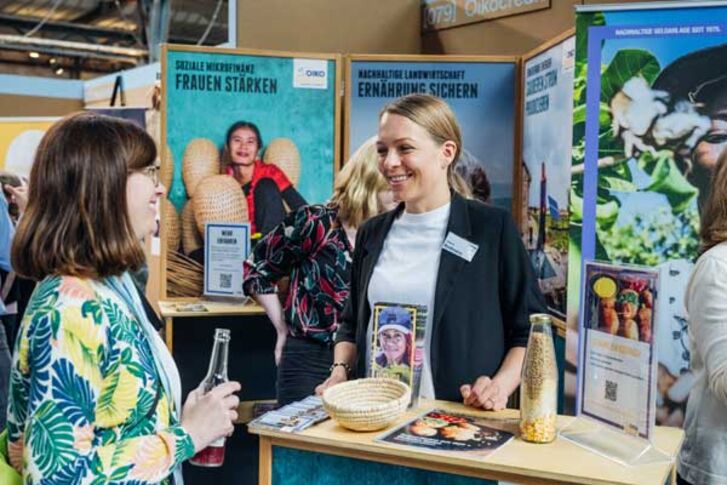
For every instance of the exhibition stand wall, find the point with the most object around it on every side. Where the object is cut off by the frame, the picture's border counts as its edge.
(567, 175)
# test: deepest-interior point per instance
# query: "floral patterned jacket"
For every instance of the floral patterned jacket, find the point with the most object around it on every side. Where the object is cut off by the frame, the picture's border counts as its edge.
(86, 402)
(311, 247)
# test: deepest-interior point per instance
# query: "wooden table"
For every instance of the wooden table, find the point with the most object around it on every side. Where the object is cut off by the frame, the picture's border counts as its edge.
(354, 455)
(171, 309)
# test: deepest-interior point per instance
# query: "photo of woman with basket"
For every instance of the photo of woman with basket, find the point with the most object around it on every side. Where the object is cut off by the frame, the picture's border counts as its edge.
(95, 395)
(267, 189)
(462, 259)
(313, 246)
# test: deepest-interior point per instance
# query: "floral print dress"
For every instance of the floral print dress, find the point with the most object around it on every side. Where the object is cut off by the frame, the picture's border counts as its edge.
(86, 401)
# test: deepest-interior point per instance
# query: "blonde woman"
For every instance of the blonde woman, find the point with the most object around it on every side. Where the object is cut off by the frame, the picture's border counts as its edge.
(460, 258)
(313, 246)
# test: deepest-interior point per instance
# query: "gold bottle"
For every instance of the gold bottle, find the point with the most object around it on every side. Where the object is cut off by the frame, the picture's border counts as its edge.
(539, 383)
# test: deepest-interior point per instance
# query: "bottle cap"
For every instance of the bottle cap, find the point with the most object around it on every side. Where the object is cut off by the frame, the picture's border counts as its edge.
(540, 318)
(222, 334)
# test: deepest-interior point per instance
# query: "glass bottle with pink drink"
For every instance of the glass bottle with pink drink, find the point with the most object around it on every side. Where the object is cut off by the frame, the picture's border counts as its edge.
(214, 454)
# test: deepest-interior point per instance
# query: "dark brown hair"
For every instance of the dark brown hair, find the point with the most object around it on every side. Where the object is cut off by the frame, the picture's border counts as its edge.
(434, 115)
(714, 214)
(76, 222)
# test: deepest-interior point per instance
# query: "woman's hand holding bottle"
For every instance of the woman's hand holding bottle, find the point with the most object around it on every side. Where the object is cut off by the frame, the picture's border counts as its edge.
(210, 416)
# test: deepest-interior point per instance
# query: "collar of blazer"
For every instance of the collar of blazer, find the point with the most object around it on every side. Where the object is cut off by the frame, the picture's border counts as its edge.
(450, 265)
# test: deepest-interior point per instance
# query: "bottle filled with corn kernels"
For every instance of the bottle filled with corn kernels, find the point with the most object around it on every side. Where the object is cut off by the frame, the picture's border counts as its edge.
(539, 383)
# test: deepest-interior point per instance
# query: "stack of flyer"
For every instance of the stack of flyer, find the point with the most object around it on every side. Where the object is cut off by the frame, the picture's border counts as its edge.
(293, 417)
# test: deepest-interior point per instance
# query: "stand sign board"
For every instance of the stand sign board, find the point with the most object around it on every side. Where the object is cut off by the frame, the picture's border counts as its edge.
(617, 359)
(617, 363)
(228, 245)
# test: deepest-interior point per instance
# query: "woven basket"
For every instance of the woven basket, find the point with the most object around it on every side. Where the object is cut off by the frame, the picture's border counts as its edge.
(219, 198)
(367, 404)
(191, 238)
(170, 219)
(283, 153)
(201, 159)
(166, 171)
(185, 277)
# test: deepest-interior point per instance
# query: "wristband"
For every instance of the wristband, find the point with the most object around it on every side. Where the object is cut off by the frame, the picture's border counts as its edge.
(345, 366)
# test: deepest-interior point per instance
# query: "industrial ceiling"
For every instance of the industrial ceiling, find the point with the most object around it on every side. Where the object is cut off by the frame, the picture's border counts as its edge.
(86, 38)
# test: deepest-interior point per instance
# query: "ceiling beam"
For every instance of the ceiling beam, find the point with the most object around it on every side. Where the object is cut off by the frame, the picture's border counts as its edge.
(87, 67)
(27, 23)
(72, 49)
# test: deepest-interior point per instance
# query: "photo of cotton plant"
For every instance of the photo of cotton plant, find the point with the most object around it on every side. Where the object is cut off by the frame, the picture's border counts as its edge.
(645, 145)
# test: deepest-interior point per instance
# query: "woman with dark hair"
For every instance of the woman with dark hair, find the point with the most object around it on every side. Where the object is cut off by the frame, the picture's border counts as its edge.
(703, 456)
(95, 395)
(266, 187)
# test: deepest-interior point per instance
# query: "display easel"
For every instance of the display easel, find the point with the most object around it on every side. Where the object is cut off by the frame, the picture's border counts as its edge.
(614, 444)
(617, 367)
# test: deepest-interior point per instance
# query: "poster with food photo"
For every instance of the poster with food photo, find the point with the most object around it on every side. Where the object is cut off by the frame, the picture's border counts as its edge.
(443, 431)
(618, 365)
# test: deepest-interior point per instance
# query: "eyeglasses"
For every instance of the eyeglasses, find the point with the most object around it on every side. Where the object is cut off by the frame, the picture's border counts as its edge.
(152, 171)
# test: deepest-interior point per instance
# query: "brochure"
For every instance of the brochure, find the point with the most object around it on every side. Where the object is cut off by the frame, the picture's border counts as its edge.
(293, 417)
(441, 431)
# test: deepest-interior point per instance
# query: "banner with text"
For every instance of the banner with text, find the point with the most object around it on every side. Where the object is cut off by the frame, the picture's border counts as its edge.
(546, 153)
(649, 97)
(481, 94)
(248, 138)
(445, 14)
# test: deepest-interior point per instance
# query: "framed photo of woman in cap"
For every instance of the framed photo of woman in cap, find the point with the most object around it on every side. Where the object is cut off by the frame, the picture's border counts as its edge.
(394, 342)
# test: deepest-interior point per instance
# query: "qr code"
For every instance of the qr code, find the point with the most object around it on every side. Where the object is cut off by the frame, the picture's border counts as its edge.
(225, 280)
(611, 391)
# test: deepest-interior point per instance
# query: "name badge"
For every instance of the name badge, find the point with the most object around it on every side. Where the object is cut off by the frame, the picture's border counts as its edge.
(460, 246)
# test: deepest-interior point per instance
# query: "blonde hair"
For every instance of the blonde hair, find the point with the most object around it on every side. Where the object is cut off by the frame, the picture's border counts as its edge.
(714, 215)
(357, 185)
(435, 116)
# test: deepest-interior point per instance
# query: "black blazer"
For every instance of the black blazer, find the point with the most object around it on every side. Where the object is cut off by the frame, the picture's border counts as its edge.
(481, 307)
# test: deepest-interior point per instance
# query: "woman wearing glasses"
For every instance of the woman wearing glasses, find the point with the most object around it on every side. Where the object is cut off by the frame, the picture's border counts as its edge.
(94, 393)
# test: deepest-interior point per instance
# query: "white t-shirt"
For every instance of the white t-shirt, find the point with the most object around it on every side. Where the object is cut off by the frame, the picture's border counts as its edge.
(406, 273)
